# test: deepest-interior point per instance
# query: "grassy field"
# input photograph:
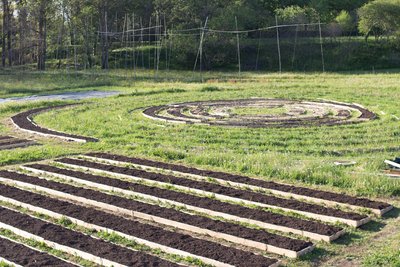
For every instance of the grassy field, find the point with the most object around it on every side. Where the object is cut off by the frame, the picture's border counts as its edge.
(299, 156)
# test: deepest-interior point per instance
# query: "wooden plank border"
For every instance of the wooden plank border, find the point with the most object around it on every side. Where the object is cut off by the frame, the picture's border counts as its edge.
(325, 218)
(72, 251)
(35, 249)
(108, 230)
(230, 238)
(190, 228)
(9, 262)
(239, 185)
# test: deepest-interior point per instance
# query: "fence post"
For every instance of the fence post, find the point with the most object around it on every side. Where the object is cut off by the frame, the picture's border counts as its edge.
(279, 45)
(321, 43)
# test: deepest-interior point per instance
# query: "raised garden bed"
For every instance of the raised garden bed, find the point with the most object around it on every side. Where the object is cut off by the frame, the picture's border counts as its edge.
(239, 234)
(92, 249)
(14, 253)
(24, 121)
(8, 142)
(297, 192)
(225, 193)
(156, 237)
(269, 220)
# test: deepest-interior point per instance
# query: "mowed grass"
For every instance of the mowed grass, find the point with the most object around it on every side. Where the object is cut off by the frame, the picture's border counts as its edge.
(302, 156)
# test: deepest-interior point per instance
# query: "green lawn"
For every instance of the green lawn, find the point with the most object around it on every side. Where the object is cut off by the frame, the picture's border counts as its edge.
(299, 156)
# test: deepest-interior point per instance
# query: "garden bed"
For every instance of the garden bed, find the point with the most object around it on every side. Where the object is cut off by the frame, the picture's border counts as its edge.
(101, 252)
(231, 232)
(265, 219)
(243, 181)
(15, 253)
(221, 192)
(24, 121)
(140, 232)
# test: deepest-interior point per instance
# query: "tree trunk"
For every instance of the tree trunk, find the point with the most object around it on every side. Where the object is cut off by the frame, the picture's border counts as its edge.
(22, 27)
(9, 32)
(4, 33)
(41, 58)
(104, 35)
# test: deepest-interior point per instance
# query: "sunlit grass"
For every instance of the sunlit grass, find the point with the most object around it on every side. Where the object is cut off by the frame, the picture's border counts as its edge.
(297, 155)
(303, 155)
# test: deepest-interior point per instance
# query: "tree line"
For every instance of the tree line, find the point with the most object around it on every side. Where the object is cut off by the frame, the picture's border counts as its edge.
(33, 29)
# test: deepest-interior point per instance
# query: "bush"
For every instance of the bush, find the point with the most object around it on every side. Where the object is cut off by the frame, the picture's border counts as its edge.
(379, 17)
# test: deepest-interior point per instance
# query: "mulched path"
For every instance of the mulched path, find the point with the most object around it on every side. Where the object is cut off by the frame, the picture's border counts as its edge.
(25, 121)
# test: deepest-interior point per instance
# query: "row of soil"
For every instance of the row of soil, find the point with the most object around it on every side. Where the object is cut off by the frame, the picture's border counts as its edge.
(331, 196)
(178, 113)
(5, 140)
(203, 222)
(219, 189)
(202, 202)
(151, 233)
(24, 121)
(25, 256)
(15, 142)
(5, 137)
(82, 242)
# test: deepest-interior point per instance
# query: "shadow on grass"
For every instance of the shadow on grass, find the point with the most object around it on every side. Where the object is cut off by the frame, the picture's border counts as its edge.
(347, 239)
(315, 255)
(394, 213)
(155, 92)
(30, 91)
(211, 89)
(372, 226)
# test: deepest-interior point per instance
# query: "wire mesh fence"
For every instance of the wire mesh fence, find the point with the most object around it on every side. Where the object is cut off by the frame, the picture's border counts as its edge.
(279, 48)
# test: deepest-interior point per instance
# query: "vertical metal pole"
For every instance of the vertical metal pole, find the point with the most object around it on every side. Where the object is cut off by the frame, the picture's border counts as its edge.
(149, 38)
(279, 45)
(171, 39)
(321, 43)
(201, 50)
(116, 30)
(238, 46)
(133, 45)
(258, 50)
(123, 39)
(141, 41)
(165, 42)
(295, 46)
(158, 44)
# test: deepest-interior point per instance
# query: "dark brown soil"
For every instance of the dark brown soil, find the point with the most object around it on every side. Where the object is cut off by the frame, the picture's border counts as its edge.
(228, 228)
(6, 137)
(148, 232)
(218, 189)
(206, 203)
(9, 142)
(198, 108)
(24, 121)
(15, 142)
(341, 198)
(158, 235)
(25, 256)
(79, 241)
